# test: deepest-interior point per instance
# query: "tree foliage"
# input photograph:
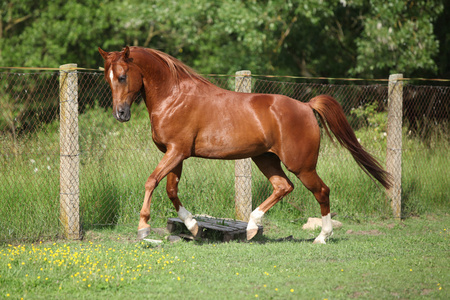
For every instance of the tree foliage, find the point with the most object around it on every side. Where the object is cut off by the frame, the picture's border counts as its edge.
(398, 37)
(367, 38)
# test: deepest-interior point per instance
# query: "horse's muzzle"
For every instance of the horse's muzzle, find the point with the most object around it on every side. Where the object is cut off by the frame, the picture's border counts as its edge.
(122, 113)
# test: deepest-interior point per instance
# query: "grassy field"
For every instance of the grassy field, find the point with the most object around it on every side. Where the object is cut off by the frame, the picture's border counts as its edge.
(369, 260)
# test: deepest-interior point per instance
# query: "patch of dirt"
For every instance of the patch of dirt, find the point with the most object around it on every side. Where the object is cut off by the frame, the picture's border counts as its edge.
(431, 217)
(369, 232)
(426, 292)
(358, 294)
(390, 226)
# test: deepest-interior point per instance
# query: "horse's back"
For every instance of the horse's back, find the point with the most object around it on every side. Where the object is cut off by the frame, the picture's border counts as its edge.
(240, 125)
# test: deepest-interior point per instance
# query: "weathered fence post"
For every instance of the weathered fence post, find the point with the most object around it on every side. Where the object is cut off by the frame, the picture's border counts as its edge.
(394, 141)
(243, 167)
(69, 151)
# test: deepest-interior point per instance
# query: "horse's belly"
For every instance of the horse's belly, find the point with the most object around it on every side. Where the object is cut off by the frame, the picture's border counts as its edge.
(229, 147)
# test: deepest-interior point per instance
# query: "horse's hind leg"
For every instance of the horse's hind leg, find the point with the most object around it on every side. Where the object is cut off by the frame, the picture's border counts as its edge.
(313, 183)
(172, 191)
(269, 165)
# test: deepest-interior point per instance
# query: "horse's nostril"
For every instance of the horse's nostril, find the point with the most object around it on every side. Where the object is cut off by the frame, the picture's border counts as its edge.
(123, 113)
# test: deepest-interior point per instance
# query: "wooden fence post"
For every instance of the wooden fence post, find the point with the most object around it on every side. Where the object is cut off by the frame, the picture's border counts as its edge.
(394, 142)
(69, 152)
(243, 167)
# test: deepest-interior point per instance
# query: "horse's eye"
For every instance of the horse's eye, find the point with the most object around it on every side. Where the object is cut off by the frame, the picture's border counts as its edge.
(122, 78)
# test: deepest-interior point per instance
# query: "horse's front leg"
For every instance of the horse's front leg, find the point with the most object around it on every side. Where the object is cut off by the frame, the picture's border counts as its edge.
(169, 161)
(173, 178)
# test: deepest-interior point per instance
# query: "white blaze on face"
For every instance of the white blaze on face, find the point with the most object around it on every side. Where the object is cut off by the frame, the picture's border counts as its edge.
(111, 75)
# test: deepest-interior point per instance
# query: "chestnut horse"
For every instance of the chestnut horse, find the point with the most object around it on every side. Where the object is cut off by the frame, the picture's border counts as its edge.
(192, 117)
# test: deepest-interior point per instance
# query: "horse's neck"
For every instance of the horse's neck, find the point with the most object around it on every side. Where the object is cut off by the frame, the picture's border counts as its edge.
(160, 95)
(160, 99)
(158, 92)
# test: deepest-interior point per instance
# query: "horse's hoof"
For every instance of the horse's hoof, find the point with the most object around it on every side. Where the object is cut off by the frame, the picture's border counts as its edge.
(251, 233)
(323, 237)
(142, 233)
(319, 241)
(194, 230)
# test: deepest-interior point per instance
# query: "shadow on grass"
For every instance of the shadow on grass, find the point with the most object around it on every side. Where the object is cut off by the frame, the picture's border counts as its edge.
(214, 237)
(259, 241)
(290, 239)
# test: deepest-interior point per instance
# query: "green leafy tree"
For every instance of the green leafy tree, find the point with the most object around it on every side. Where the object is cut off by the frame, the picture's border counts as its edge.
(298, 37)
(398, 37)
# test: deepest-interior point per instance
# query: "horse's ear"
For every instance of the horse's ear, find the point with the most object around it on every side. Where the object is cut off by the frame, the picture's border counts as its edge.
(126, 53)
(104, 54)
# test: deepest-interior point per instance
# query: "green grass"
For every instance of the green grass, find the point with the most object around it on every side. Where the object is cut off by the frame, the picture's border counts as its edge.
(116, 160)
(375, 260)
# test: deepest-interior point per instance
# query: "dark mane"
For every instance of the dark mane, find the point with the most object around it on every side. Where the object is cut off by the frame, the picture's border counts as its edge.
(176, 67)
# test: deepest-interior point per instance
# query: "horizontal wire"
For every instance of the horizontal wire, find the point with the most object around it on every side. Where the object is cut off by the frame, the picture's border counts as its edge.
(101, 69)
(51, 69)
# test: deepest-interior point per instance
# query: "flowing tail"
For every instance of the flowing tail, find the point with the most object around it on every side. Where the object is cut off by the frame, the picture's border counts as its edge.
(332, 117)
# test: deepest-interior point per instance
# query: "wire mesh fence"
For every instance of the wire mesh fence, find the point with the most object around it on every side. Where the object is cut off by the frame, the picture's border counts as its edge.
(115, 159)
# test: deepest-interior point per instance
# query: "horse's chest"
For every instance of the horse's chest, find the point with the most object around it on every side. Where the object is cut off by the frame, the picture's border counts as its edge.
(158, 140)
(159, 145)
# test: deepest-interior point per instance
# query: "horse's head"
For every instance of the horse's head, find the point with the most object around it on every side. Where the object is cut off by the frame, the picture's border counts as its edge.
(125, 80)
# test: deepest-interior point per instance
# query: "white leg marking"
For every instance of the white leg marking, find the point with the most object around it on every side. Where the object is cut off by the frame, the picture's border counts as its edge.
(255, 219)
(186, 217)
(111, 75)
(327, 230)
